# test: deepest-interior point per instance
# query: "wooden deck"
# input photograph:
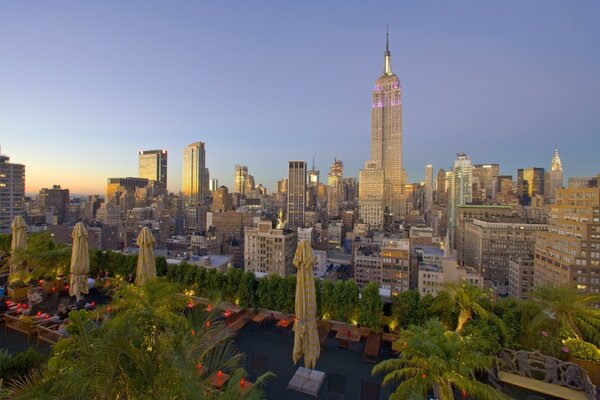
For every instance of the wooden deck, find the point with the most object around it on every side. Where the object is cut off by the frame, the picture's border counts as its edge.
(239, 320)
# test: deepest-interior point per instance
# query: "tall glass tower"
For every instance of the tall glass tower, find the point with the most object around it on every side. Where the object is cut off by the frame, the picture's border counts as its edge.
(194, 174)
(386, 134)
(153, 165)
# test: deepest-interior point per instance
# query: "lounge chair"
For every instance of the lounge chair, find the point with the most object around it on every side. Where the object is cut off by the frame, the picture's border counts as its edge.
(370, 390)
(336, 386)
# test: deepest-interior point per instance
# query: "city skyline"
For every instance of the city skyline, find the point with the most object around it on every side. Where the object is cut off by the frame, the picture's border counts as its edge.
(76, 110)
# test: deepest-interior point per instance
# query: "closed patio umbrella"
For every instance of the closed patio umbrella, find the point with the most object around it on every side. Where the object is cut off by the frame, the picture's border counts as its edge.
(146, 265)
(80, 261)
(19, 241)
(306, 338)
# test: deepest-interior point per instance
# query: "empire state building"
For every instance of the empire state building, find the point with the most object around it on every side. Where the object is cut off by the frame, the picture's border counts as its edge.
(386, 135)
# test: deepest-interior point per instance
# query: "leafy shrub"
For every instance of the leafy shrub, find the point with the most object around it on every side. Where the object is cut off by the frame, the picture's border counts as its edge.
(19, 365)
(582, 350)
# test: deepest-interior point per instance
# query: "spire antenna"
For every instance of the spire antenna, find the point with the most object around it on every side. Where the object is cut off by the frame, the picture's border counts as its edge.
(387, 64)
(387, 38)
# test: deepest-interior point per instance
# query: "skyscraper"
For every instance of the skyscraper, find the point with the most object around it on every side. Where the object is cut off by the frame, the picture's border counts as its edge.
(428, 186)
(530, 183)
(460, 192)
(484, 182)
(334, 188)
(370, 195)
(194, 174)
(239, 179)
(213, 185)
(54, 200)
(441, 190)
(555, 180)
(153, 166)
(296, 197)
(12, 192)
(386, 134)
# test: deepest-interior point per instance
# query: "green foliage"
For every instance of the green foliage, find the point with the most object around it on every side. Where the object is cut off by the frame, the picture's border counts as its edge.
(484, 336)
(371, 307)
(582, 350)
(567, 309)
(345, 299)
(265, 292)
(161, 266)
(147, 349)
(247, 292)
(407, 309)
(327, 301)
(234, 280)
(432, 357)
(116, 264)
(19, 365)
(468, 301)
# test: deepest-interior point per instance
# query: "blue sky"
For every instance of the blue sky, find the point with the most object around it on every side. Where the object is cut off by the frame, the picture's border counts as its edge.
(85, 85)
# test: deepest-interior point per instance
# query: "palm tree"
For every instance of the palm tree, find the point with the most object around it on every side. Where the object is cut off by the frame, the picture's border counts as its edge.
(149, 348)
(568, 308)
(433, 359)
(470, 300)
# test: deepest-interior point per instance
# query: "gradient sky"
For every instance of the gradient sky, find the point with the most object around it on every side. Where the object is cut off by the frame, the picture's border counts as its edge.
(85, 85)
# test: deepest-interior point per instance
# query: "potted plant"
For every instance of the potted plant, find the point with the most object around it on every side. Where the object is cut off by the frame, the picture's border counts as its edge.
(19, 286)
(586, 355)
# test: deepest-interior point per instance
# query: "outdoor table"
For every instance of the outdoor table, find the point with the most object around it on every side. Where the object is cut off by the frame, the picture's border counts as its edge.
(218, 381)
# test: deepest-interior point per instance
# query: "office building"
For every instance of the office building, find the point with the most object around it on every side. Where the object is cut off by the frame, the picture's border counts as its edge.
(240, 179)
(386, 135)
(296, 197)
(432, 277)
(428, 186)
(12, 192)
(555, 176)
(213, 185)
(282, 186)
(194, 174)
(153, 166)
(468, 213)
(118, 186)
(489, 244)
(221, 200)
(269, 251)
(366, 264)
(484, 181)
(530, 183)
(335, 188)
(54, 200)
(396, 272)
(370, 195)
(569, 253)
(520, 277)
(441, 188)
(460, 187)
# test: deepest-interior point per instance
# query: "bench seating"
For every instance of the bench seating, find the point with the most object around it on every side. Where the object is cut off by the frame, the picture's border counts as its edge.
(371, 353)
(16, 323)
(48, 334)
